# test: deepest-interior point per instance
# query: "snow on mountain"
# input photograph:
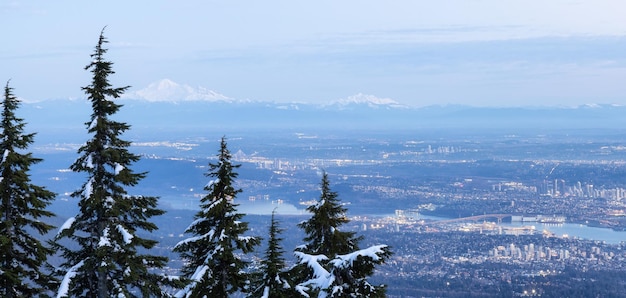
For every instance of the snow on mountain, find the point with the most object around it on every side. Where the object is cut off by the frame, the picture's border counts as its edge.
(371, 101)
(168, 90)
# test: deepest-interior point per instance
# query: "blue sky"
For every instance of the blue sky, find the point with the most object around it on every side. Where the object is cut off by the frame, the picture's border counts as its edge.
(419, 53)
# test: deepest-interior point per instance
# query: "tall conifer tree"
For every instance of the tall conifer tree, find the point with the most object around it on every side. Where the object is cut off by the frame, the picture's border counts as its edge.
(23, 257)
(323, 234)
(330, 262)
(107, 262)
(214, 268)
(273, 280)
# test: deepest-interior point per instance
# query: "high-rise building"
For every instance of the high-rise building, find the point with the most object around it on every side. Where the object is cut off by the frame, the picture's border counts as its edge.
(589, 190)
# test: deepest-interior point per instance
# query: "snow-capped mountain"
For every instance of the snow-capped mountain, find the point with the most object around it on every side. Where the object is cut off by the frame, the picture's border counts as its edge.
(178, 106)
(365, 100)
(168, 90)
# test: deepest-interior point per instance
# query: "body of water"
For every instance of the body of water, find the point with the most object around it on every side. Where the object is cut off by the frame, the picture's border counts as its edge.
(571, 230)
(245, 206)
(580, 231)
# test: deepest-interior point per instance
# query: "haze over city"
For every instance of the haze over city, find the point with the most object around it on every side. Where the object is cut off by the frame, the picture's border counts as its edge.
(417, 53)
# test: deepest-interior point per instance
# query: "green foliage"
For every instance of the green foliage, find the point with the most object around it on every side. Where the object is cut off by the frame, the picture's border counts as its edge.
(23, 257)
(272, 278)
(106, 227)
(323, 236)
(331, 263)
(214, 268)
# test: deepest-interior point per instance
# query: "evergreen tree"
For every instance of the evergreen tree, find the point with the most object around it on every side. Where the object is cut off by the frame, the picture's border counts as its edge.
(107, 262)
(23, 257)
(323, 236)
(214, 269)
(330, 262)
(273, 281)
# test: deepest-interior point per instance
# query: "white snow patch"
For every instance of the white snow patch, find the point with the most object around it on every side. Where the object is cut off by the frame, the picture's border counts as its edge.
(109, 202)
(215, 203)
(68, 223)
(302, 290)
(128, 237)
(5, 155)
(195, 278)
(321, 277)
(93, 123)
(88, 162)
(266, 292)
(194, 223)
(343, 261)
(88, 188)
(245, 238)
(196, 238)
(200, 271)
(118, 168)
(212, 182)
(104, 239)
(65, 284)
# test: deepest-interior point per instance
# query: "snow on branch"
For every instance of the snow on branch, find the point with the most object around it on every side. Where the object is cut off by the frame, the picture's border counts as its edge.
(373, 252)
(104, 239)
(89, 162)
(118, 168)
(212, 182)
(194, 223)
(245, 238)
(195, 278)
(65, 284)
(194, 239)
(128, 237)
(88, 191)
(5, 155)
(213, 204)
(93, 123)
(68, 223)
(321, 277)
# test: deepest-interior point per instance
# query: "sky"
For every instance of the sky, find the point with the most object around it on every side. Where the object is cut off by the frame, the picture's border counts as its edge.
(418, 53)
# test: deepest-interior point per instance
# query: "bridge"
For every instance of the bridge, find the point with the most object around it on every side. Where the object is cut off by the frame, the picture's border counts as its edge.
(499, 217)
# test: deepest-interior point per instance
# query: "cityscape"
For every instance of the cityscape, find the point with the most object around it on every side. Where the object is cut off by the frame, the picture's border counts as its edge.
(458, 214)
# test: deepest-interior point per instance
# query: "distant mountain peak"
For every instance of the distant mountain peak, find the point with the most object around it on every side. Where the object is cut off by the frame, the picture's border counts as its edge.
(168, 90)
(368, 100)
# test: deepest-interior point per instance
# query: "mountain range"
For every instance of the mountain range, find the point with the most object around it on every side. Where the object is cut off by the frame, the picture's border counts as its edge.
(166, 106)
(168, 90)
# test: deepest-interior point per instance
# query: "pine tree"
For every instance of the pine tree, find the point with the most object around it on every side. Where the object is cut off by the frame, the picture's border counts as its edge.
(23, 257)
(273, 280)
(214, 269)
(107, 262)
(323, 236)
(330, 262)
